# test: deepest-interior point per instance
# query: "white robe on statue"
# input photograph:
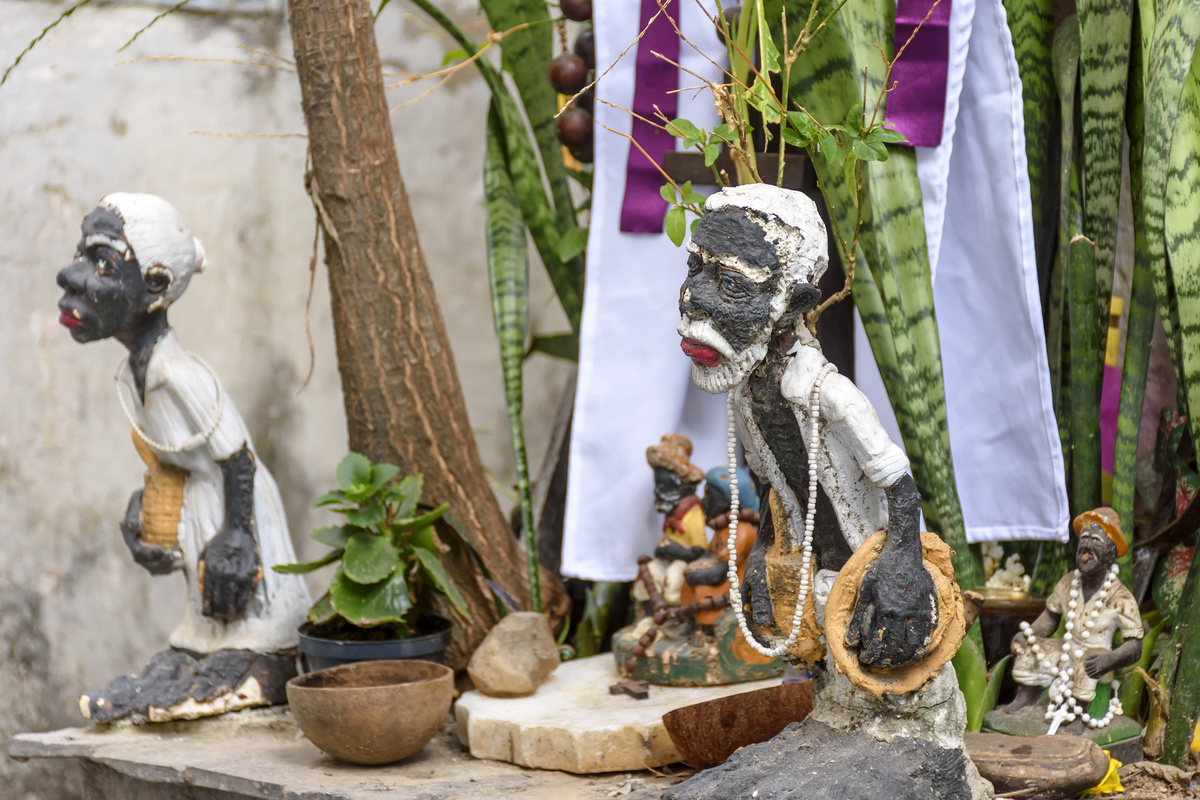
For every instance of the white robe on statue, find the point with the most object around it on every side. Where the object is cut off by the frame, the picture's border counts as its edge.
(183, 399)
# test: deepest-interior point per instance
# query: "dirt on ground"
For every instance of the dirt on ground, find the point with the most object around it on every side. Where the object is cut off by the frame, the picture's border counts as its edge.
(1143, 780)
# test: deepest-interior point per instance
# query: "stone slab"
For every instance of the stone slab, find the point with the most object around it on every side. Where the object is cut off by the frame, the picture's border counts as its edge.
(262, 754)
(572, 723)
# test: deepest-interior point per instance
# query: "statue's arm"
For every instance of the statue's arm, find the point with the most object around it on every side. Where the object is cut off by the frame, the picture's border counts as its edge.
(230, 566)
(1126, 655)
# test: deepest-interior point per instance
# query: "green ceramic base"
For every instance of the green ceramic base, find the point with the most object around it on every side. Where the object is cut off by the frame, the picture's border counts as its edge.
(694, 660)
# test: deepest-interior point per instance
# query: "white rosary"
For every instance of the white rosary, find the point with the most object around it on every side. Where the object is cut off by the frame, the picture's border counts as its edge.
(191, 441)
(810, 516)
(1063, 705)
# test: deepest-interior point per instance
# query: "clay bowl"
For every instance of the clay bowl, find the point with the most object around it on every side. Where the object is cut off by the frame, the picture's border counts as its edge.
(372, 712)
(708, 733)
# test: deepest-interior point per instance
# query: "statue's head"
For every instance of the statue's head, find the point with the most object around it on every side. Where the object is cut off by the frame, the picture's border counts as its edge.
(1101, 541)
(755, 259)
(716, 500)
(134, 258)
(675, 476)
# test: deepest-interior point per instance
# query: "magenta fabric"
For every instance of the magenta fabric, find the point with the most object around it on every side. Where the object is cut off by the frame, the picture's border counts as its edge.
(643, 208)
(917, 106)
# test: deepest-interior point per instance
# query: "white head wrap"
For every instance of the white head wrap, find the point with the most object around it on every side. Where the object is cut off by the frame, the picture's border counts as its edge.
(790, 221)
(159, 238)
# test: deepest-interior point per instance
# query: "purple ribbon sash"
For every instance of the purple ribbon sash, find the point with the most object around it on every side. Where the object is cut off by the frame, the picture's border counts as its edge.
(643, 208)
(917, 106)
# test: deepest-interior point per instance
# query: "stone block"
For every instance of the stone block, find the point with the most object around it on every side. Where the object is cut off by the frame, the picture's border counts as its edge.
(515, 657)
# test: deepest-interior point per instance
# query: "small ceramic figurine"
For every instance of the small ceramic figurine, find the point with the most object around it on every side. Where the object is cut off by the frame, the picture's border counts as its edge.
(1096, 605)
(208, 508)
(688, 635)
(840, 564)
(684, 537)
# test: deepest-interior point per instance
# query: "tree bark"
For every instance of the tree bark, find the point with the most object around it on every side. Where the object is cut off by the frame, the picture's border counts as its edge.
(403, 399)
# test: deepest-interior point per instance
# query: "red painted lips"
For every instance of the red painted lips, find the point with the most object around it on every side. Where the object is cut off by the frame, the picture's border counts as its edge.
(67, 320)
(699, 353)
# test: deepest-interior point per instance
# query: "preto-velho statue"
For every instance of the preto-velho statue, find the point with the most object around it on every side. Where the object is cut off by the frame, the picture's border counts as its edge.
(841, 576)
(208, 509)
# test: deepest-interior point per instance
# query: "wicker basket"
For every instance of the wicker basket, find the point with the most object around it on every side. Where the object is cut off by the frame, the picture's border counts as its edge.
(162, 498)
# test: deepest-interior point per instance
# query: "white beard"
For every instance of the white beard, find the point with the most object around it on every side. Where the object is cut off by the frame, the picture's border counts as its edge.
(734, 366)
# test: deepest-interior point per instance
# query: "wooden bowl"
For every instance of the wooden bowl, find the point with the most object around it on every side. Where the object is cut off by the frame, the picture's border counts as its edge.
(708, 733)
(372, 712)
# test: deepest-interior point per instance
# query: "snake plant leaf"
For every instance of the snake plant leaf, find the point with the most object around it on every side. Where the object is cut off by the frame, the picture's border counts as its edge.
(369, 557)
(892, 287)
(322, 611)
(335, 536)
(1182, 226)
(1104, 40)
(1065, 59)
(435, 573)
(508, 272)
(971, 669)
(526, 55)
(406, 494)
(1086, 374)
(371, 604)
(525, 171)
(1031, 23)
(559, 345)
(309, 566)
(1172, 50)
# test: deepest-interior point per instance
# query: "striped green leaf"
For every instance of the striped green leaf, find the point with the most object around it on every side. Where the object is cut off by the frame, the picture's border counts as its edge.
(1031, 23)
(1182, 225)
(892, 287)
(508, 272)
(536, 208)
(1104, 31)
(1086, 374)
(1172, 47)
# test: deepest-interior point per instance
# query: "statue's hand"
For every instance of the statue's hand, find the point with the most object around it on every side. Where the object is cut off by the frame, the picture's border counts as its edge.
(152, 558)
(1097, 664)
(229, 569)
(754, 588)
(896, 610)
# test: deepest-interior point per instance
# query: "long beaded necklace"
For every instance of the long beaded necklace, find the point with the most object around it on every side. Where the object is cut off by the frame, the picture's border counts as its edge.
(191, 441)
(814, 410)
(1064, 707)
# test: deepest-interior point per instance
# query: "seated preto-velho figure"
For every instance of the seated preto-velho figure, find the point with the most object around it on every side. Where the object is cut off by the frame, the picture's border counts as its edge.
(1096, 605)
(208, 508)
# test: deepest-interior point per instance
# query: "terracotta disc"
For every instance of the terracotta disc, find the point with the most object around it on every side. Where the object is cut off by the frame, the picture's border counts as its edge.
(946, 636)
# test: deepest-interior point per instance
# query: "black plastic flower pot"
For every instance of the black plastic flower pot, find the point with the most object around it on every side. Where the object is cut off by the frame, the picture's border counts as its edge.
(320, 653)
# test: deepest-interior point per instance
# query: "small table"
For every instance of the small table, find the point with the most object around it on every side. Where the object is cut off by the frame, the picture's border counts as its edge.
(262, 754)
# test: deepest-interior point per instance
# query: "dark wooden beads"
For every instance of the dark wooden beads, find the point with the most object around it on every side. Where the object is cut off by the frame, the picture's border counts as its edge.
(576, 10)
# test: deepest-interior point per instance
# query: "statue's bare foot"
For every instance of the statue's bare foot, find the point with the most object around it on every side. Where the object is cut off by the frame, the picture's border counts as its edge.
(1026, 696)
(177, 684)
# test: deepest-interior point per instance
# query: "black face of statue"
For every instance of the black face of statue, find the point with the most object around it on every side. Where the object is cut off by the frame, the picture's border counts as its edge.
(732, 279)
(715, 502)
(1096, 552)
(103, 293)
(669, 489)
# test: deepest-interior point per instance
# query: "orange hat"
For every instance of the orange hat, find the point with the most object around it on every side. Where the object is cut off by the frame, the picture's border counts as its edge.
(1107, 520)
(673, 454)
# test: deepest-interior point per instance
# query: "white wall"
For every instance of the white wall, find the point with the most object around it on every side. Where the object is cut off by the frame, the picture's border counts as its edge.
(76, 123)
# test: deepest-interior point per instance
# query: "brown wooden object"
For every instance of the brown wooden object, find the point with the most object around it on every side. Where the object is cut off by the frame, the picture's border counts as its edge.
(162, 498)
(945, 638)
(708, 733)
(1064, 764)
(403, 400)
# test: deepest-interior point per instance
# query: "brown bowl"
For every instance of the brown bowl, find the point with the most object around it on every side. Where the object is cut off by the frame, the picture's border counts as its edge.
(372, 712)
(708, 733)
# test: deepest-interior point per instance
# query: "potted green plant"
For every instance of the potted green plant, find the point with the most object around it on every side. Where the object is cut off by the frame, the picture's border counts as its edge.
(389, 561)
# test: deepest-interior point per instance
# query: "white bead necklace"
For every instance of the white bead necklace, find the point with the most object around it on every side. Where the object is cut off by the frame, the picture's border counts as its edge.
(810, 516)
(191, 441)
(1064, 707)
